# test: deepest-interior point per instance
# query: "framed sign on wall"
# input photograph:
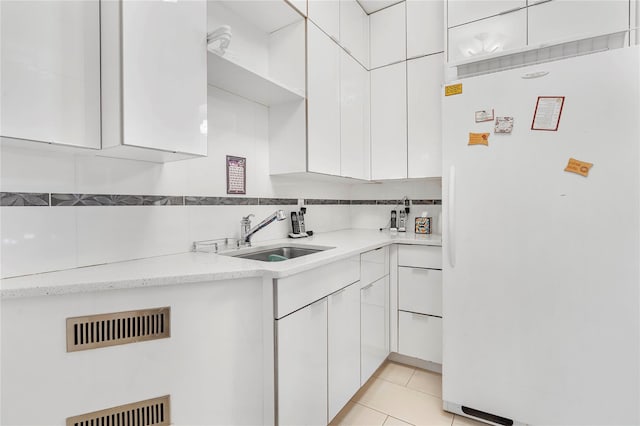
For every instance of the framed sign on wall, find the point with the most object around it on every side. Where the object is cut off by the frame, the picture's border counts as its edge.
(236, 175)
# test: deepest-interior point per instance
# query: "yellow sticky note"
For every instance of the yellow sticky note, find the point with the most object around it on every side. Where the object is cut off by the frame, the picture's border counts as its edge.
(478, 138)
(579, 167)
(453, 89)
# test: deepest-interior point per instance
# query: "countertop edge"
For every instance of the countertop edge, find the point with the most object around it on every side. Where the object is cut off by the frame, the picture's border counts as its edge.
(257, 270)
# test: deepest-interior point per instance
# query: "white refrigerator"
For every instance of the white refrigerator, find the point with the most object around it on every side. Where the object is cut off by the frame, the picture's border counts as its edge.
(541, 278)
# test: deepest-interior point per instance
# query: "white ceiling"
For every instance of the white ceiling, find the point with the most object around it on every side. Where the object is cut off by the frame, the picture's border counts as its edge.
(371, 6)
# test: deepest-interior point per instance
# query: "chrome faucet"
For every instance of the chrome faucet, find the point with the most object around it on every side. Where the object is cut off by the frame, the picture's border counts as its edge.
(246, 231)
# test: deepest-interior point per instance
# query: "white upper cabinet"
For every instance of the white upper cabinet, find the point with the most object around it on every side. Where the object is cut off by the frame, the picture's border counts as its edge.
(50, 68)
(300, 5)
(488, 36)
(354, 30)
(388, 36)
(323, 100)
(154, 91)
(355, 146)
(389, 122)
(326, 15)
(463, 11)
(424, 87)
(559, 20)
(425, 27)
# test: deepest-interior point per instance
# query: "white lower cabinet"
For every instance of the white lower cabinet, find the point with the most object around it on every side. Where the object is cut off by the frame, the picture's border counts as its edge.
(344, 346)
(419, 302)
(420, 336)
(302, 366)
(374, 327)
(420, 290)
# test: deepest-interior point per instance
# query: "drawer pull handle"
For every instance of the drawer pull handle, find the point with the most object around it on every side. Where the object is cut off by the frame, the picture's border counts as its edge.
(367, 287)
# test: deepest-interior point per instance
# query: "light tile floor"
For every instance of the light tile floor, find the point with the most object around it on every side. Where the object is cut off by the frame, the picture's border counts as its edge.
(399, 395)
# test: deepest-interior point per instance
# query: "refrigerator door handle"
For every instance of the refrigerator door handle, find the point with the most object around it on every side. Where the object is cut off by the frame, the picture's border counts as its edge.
(451, 214)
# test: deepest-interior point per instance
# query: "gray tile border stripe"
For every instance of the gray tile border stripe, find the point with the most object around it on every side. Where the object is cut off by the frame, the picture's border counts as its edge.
(220, 201)
(278, 201)
(22, 199)
(323, 201)
(364, 202)
(78, 200)
(15, 199)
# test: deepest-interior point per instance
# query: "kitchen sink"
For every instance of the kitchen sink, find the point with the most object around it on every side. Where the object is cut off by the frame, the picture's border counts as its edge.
(276, 254)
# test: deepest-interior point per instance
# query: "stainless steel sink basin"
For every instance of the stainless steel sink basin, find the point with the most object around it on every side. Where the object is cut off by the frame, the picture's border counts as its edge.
(276, 254)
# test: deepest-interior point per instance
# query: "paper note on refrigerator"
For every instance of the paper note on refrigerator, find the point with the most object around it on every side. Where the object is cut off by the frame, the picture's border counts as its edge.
(579, 167)
(503, 125)
(478, 138)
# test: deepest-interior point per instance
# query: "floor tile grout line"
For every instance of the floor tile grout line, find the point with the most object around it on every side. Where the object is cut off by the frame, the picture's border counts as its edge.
(386, 414)
(393, 417)
(409, 388)
(413, 373)
(374, 409)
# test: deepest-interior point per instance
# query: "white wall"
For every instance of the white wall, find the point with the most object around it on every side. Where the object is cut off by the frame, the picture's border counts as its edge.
(378, 216)
(38, 239)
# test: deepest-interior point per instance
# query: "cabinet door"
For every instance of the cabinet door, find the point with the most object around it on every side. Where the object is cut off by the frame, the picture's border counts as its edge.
(323, 97)
(374, 265)
(164, 75)
(425, 27)
(389, 122)
(344, 347)
(420, 290)
(424, 86)
(354, 30)
(388, 35)
(374, 328)
(463, 11)
(302, 366)
(50, 68)
(326, 15)
(564, 19)
(355, 143)
(420, 336)
(481, 38)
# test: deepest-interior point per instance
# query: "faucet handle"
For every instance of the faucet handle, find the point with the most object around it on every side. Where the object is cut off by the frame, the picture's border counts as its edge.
(248, 218)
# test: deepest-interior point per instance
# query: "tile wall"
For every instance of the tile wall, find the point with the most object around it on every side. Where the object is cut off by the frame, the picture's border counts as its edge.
(63, 210)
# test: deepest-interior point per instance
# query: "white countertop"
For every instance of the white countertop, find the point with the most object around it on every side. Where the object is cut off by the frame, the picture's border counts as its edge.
(192, 267)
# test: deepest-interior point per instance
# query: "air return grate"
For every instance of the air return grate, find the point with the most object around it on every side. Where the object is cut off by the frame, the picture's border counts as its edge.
(144, 413)
(119, 328)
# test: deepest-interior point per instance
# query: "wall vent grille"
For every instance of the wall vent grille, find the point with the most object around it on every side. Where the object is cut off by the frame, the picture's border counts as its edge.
(119, 328)
(543, 54)
(150, 412)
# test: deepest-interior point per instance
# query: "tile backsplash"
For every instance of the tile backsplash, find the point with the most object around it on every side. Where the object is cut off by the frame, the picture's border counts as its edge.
(61, 210)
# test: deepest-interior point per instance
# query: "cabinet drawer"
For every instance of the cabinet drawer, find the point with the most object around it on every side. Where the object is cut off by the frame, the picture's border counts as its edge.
(420, 336)
(301, 289)
(564, 19)
(374, 265)
(420, 256)
(463, 11)
(420, 290)
(487, 36)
